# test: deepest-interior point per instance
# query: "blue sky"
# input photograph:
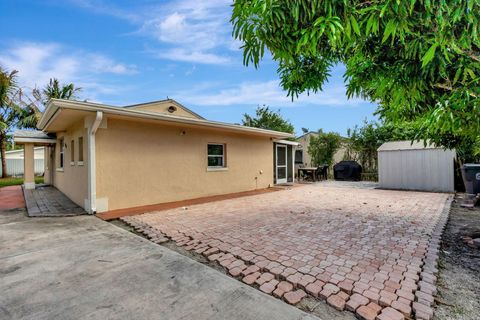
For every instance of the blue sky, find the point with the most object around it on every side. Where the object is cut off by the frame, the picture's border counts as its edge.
(126, 52)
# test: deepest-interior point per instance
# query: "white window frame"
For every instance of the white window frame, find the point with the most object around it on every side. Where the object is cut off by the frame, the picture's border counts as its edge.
(80, 151)
(223, 156)
(61, 159)
(72, 152)
(295, 156)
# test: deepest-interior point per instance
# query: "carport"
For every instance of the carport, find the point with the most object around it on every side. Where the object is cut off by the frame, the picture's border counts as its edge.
(30, 139)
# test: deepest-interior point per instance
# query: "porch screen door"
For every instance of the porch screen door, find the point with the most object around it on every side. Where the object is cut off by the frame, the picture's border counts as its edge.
(281, 163)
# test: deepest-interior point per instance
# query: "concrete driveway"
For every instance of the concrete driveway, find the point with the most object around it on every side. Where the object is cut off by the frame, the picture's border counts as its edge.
(369, 251)
(85, 268)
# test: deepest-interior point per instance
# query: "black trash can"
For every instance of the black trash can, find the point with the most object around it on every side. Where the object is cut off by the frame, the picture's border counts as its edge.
(471, 176)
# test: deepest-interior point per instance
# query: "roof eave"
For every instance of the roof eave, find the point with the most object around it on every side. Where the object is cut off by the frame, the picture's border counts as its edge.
(55, 104)
(50, 110)
(21, 140)
(292, 143)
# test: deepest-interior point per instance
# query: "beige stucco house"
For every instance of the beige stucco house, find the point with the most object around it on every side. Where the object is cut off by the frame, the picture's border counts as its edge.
(106, 158)
(303, 158)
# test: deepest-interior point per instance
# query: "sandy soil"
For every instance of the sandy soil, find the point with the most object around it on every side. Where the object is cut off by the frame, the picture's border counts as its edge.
(459, 277)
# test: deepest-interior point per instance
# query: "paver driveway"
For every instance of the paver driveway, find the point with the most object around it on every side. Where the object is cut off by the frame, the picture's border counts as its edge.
(371, 251)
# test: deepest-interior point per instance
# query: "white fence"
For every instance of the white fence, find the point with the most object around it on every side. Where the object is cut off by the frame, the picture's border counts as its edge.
(15, 167)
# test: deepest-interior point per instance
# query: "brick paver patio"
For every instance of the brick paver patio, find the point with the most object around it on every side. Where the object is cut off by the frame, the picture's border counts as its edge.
(11, 197)
(372, 252)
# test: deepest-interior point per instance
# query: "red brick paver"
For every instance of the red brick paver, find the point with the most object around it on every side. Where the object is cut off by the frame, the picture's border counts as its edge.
(372, 252)
(11, 198)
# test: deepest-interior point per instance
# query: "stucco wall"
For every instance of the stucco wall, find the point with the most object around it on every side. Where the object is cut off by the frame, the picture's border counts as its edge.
(72, 181)
(304, 142)
(148, 163)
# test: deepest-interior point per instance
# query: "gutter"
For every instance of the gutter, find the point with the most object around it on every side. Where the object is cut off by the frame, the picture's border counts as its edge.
(92, 178)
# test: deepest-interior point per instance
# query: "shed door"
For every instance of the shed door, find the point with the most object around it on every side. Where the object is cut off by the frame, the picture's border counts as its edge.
(281, 165)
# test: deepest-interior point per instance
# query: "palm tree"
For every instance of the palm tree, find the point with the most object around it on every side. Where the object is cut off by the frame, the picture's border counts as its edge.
(24, 111)
(54, 90)
(30, 113)
(8, 111)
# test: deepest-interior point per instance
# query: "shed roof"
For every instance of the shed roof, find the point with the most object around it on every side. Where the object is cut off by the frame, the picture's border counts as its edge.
(406, 145)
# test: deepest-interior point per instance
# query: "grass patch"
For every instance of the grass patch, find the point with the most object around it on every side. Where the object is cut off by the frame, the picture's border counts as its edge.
(11, 181)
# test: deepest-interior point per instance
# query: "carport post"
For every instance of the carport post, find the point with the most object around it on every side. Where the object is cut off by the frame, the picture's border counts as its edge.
(28, 166)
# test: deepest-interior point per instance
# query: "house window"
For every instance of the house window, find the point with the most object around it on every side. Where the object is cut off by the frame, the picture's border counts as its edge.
(216, 155)
(72, 152)
(298, 156)
(80, 149)
(62, 149)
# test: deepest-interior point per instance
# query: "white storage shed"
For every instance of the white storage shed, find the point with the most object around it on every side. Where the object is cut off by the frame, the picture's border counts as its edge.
(403, 165)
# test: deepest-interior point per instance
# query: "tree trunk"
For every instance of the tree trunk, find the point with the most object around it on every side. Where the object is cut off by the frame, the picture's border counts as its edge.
(2, 154)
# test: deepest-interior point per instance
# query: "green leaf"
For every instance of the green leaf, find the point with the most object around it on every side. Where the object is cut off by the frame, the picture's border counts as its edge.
(429, 55)
(348, 28)
(355, 27)
(389, 29)
(470, 72)
(457, 75)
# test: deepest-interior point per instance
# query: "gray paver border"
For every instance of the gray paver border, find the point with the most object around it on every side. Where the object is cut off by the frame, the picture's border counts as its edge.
(424, 297)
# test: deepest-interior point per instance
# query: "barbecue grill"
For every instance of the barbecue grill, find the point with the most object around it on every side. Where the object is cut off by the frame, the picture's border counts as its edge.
(347, 171)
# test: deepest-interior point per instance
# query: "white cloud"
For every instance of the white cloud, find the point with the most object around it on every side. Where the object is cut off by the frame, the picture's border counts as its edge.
(186, 30)
(192, 31)
(268, 92)
(179, 54)
(101, 7)
(103, 64)
(173, 28)
(38, 62)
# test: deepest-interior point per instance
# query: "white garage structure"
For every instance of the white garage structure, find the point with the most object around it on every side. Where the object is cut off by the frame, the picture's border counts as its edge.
(403, 165)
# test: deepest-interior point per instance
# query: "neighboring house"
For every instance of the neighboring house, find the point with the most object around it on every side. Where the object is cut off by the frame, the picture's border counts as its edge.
(303, 158)
(106, 158)
(15, 160)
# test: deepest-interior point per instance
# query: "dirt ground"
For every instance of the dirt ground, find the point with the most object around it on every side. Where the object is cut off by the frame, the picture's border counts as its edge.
(459, 277)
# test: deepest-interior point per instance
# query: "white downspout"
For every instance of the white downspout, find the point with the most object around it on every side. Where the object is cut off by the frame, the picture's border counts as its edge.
(92, 181)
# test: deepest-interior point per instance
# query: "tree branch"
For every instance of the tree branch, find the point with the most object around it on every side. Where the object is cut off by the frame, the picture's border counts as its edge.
(447, 87)
(474, 57)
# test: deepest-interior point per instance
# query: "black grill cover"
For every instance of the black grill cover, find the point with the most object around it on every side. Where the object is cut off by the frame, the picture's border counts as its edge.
(347, 171)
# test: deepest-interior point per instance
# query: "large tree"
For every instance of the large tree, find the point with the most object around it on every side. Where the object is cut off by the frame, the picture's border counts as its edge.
(364, 140)
(8, 111)
(418, 59)
(265, 118)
